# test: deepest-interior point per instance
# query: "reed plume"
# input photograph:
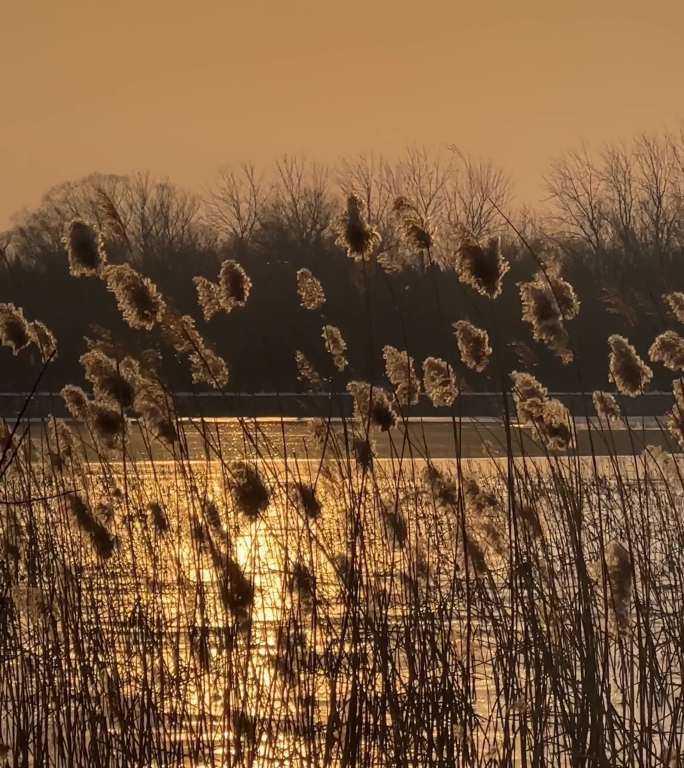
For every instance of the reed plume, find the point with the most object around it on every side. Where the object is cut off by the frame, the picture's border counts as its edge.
(14, 330)
(61, 443)
(113, 382)
(442, 486)
(486, 515)
(477, 562)
(107, 423)
(548, 301)
(473, 345)
(555, 426)
(439, 382)
(208, 297)
(101, 538)
(211, 514)
(619, 570)
(76, 401)
(668, 349)
(550, 418)
(250, 493)
(626, 369)
(44, 339)
(396, 526)
(354, 233)
(480, 502)
(303, 583)
(236, 590)
(60, 437)
(362, 450)
(17, 333)
(138, 298)
(482, 267)
(528, 515)
(400, 370)
(159, 517)
(155, 408)
(231, 291)
(675, 301)
(529, 395)
(209, 368)
(235, 285)
(372, 405)
(205, 364)
(675, 417)
(414, 227)
(85, 249)
(311, 294)
(606, 406)
(306, 373)
(335, 345)
(306, 499)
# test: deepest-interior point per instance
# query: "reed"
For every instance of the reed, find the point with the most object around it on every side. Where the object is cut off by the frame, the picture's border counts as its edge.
(173, 593)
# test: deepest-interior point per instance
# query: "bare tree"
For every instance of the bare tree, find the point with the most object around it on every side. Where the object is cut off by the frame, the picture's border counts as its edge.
(371, 178)
(423, 177)
(576, 187)
(420, 180)
(300, 199)
(477, 190)
(659, 191)
(160, 216)
(151, 217)
(234, 205)
(629, 200)
(621, 204)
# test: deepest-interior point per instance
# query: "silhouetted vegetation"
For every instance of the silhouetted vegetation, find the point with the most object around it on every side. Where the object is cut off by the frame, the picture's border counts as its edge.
(183, 591)
(614, 228)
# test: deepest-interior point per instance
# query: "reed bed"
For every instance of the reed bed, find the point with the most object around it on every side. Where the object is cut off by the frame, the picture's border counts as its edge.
(317, 605)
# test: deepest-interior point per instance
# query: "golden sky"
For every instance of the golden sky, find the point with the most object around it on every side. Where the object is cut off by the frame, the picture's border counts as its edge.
(179, 88)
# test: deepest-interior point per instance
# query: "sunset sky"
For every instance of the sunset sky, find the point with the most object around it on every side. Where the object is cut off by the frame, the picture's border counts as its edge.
(180, 88)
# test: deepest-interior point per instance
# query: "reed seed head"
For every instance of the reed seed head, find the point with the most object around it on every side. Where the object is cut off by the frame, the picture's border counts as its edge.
(138, 298)
(76, 401)
(306, 499)
(44, 339)
(619, 570)
(85, 249)
(473, 345)
(311, 294)
(354, 233)
(439, 382)
(668, 349)
(335, 345)
(482, 267)
(113, 382)
(372, 405)
(14, 330)
(208, 297)
(547, 301)
(627, 370)
(400, 370)
(606, 406)
(306, 373)
(251, 494)
(675, 301)
(235, 285)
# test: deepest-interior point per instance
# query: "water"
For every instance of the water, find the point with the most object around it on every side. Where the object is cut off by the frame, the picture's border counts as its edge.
(394, 658)
(435, 438)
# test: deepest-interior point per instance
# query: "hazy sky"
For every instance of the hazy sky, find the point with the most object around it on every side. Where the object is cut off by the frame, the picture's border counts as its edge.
(180, 88)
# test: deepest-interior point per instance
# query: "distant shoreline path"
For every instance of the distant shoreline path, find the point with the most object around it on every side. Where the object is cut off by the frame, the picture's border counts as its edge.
(478, 405)
(419, 438)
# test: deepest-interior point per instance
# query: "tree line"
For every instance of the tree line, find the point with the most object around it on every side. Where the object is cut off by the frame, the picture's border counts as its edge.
(613, 224)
